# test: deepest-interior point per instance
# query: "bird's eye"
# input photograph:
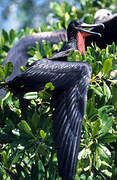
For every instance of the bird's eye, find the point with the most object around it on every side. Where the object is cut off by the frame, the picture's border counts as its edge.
(108, 14)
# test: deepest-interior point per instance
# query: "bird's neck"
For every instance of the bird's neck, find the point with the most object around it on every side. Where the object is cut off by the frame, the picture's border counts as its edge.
(72, 43)
(81, 42)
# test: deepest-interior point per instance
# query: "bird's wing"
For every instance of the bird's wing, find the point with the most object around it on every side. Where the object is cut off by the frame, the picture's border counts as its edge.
(19, 51)
(69, 107)
(18, 54)
(44, 71)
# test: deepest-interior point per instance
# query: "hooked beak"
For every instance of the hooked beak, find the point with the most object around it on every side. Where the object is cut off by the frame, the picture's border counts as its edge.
(84, 25)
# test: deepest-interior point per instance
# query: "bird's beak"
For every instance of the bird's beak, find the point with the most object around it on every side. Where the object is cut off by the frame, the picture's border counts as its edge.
(85, 25)
(88, 32)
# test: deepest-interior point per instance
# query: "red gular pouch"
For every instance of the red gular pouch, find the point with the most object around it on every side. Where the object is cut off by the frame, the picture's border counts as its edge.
(80, 37)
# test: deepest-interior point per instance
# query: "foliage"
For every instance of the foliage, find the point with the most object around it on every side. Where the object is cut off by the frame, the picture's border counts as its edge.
(26, 143)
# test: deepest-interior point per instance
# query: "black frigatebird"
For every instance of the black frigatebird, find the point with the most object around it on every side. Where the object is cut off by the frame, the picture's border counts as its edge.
(71, 80)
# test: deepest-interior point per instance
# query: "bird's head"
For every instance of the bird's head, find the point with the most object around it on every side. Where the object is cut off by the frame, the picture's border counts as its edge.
(102, 15)
(76, 30)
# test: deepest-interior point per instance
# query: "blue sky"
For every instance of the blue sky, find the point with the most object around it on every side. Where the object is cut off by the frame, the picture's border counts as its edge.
(12, 22)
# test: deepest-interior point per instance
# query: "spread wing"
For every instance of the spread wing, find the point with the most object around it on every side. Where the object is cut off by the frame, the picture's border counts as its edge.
(67, 117)
(61, 73)
(42, 72)
(18, 54)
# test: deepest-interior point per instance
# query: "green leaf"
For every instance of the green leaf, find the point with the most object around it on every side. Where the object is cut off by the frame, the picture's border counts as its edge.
(112, 48)
(84, 153)
(106, 125)
(32, 60)
(90, 178)
(5, 34)
(107, 173)
(83, 177)
(98, 90)
(23, 125)
(114, 96)
(8, 68)
(49, 86)
(2, 40)
(98, 163)
(109, 138)
(31, 95)
(38, 55)
(107, 120)
(5, 48)
(11, 35)
(96, 127)
(107, 92)
(42, 134)
(104, 151)
(106, 164)
(1, 73)
(107, 66)
(16, 132)
(23, 68)
(4, 156)
(35, 121)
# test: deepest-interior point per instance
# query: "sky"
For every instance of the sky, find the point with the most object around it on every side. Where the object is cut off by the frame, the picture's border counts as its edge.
(12, 22)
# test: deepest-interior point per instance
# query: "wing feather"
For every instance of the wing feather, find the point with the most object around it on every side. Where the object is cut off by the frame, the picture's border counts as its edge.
(67, 122)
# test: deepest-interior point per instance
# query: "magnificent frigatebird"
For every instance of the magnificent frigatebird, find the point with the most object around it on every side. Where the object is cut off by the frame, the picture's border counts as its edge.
(71, 80)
